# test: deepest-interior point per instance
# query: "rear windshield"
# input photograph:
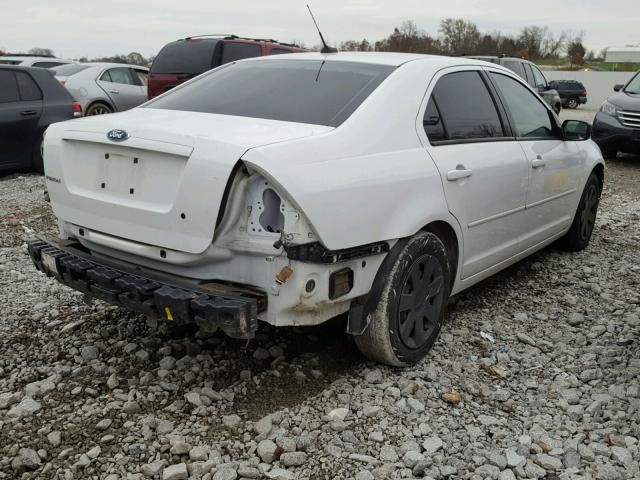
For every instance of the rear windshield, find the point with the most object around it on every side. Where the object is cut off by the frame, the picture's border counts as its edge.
(70, 69)
(191, 57)
(304, 91)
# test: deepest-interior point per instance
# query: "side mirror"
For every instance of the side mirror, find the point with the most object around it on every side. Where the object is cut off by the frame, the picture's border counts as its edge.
(576, 130)
(618, 87)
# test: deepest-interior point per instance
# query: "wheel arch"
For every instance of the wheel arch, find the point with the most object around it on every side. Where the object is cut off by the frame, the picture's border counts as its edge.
(598, 170)
(449, 237)
(103, 101)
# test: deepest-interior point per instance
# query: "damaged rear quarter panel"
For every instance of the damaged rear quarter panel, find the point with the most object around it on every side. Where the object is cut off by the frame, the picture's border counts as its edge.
(369, 179)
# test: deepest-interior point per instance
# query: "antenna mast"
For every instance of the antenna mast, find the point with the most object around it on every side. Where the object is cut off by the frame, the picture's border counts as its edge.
(325, 48)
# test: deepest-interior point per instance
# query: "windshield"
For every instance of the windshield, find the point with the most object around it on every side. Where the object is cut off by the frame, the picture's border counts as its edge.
(68, 70)
(191, 57)
(633, 86)
(303, 91)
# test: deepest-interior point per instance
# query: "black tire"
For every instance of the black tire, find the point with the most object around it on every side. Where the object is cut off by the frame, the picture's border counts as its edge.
(573, 103)
(37, 162)
(98, 108)
(578, 236)
(411, 309)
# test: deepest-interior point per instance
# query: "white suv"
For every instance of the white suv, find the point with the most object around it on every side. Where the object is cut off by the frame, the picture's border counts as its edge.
(32, 61)
(292, 189)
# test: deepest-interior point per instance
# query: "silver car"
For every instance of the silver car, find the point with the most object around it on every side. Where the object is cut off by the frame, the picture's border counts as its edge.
(104, 87)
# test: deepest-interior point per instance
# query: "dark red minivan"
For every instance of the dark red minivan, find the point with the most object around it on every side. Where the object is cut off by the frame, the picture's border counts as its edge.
(184, 59)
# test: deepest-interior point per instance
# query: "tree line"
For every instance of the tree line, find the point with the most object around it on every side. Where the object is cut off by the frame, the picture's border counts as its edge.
(133, 58)
(457, 36)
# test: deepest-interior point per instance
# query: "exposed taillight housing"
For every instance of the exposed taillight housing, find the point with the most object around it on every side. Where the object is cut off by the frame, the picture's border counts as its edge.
(77, 109)
(62, 82)
(583, 93)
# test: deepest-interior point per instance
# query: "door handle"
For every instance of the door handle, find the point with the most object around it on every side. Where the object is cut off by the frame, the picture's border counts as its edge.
(458, 173)
(28, 113)
(114, 91)
(538, 162)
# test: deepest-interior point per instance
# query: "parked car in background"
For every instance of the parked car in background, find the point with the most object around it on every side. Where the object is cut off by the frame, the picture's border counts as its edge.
(254, 192)
(30, 100)
(572, 93)
(531, 73)
(616, 127)
(32, 61)
(104, 87)
(184, 59)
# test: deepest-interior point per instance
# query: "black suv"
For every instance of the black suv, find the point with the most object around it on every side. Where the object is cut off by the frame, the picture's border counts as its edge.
(530, 72)
(30, 100)
(572, 92)
(616, 127)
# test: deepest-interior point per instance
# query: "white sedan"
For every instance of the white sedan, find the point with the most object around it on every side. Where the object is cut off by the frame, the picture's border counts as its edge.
(104, 87)
(296, 188)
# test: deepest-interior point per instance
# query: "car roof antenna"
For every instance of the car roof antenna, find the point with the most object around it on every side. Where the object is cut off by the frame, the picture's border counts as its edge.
(325, 48)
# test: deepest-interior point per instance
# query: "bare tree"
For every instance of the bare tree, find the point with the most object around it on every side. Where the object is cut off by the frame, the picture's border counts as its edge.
(552, 45)
(135, 58)
(459, 36)
(41, 52)
(531, 39)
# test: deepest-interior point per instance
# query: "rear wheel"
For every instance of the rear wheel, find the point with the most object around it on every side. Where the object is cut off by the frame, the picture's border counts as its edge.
(411, 309)
(578, 236)
(37, 163)
(573, 103)
(98, 108)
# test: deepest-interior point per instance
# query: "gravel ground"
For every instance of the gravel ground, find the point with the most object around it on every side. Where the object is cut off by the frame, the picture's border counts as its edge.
(535, 375)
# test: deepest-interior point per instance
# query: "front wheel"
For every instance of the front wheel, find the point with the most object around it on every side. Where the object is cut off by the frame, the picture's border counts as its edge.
(578, 236)
(411, 309)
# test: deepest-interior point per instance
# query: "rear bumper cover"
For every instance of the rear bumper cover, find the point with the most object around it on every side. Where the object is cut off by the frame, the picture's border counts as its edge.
(229, 309)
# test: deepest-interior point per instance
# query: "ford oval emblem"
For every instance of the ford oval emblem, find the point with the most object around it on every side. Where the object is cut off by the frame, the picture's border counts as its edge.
(117, 135)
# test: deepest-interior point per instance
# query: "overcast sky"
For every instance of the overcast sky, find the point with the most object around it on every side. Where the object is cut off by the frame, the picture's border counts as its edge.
(75, 28)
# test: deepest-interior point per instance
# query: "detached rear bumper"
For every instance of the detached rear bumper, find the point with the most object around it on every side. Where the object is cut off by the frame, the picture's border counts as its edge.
(234, 310)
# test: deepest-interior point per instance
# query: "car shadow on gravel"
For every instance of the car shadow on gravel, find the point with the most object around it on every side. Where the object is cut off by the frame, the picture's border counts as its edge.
(293, 363)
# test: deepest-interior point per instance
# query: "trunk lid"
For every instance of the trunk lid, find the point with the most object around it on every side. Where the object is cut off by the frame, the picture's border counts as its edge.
(162, 183)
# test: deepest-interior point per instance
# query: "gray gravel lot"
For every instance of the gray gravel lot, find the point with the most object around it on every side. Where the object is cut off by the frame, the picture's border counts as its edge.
(535, 375)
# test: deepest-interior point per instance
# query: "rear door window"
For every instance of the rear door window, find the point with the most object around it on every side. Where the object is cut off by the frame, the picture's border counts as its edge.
(466, 108)
(432, 122)
(143, 76)
(529, 75)
(539, 80)
(8, 87)
(191, 57)
(29, 90)
(515, 67)
(233, 51)
(120, 75)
